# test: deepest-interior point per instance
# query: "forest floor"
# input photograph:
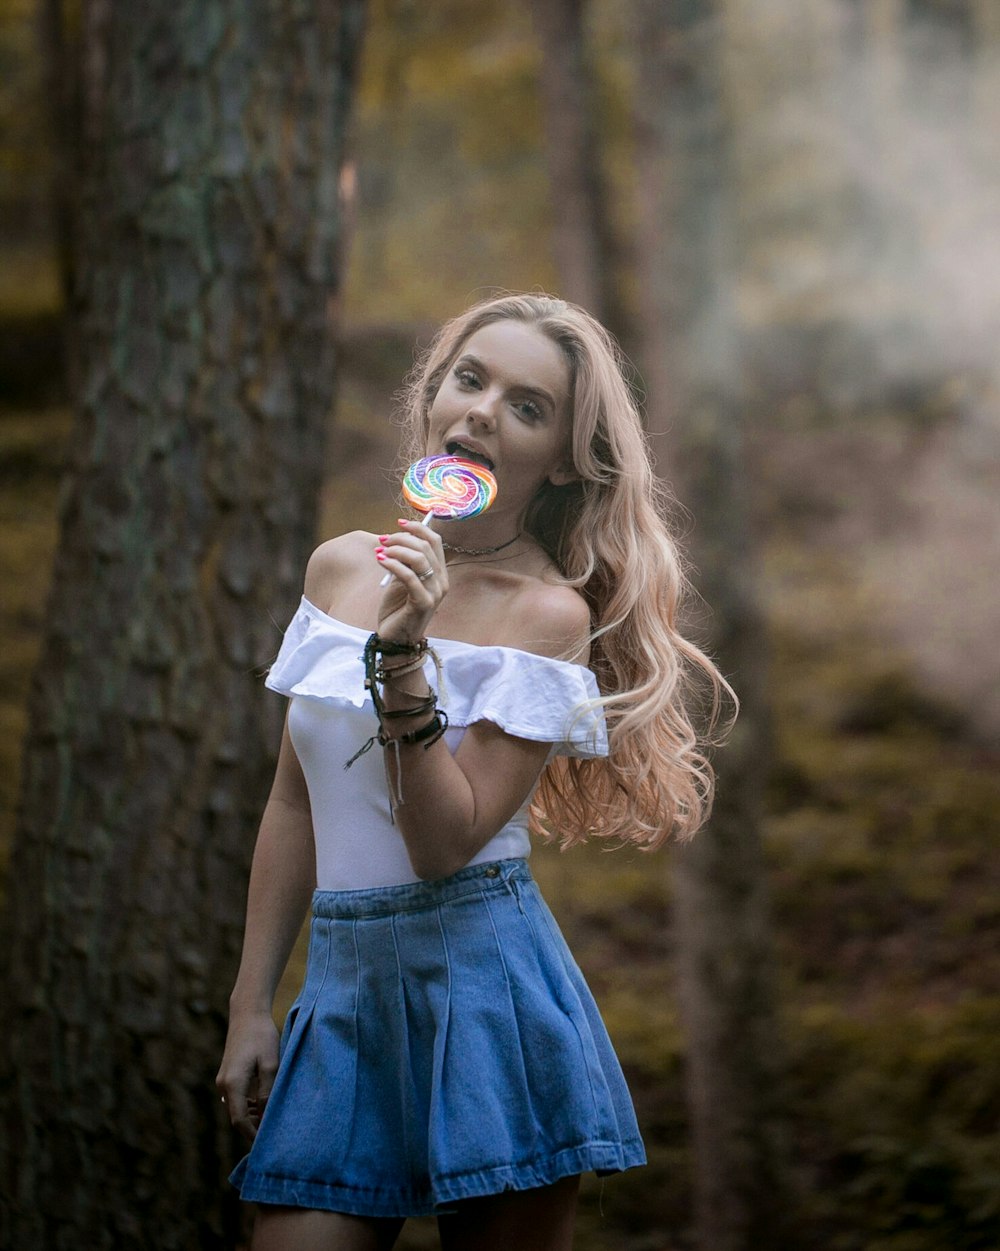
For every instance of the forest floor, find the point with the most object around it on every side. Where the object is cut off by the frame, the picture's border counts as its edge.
(880, 836)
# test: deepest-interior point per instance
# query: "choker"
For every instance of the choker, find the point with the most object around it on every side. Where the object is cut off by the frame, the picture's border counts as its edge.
(480, 551)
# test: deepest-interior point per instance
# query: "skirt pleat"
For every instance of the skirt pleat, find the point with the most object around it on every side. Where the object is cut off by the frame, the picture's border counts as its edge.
(444, 1045)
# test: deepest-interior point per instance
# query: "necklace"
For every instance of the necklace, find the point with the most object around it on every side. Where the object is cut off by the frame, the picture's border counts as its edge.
(479, 551)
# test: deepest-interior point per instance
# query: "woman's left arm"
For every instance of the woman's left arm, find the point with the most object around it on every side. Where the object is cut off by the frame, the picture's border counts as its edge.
(452, 805)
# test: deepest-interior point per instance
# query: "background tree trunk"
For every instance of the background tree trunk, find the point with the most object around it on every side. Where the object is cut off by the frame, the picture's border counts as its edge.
(581, 230)
(690, 362)
(207, 280)
(985, 17)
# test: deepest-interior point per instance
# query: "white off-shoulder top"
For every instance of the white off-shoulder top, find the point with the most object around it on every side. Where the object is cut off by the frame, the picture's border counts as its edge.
(319, 666)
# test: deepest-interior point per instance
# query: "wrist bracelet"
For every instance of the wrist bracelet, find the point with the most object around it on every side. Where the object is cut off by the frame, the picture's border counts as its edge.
(383, 675)
(432, 731)
(375, 673)
(427, 734)
(390, 647)
(426, 706)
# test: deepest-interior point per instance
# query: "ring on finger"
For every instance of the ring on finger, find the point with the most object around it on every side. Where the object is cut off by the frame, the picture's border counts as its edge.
(424, 576)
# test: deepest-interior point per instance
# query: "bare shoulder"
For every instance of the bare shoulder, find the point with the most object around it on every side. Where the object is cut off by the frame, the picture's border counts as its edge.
(551, 619)
(334, 561)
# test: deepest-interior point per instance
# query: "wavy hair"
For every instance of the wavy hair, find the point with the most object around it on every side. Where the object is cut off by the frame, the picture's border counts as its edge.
(607, 532)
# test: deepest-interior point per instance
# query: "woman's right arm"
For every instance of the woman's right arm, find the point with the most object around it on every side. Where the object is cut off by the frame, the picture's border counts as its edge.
(282, 880)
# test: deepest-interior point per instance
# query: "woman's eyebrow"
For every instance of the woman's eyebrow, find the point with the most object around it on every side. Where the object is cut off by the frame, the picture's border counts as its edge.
(468, 359)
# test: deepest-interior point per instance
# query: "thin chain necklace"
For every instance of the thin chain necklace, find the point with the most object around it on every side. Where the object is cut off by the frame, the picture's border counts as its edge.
(480, 551)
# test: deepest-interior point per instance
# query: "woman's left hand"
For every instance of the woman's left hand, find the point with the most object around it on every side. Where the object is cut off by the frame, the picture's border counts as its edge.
(415, 558)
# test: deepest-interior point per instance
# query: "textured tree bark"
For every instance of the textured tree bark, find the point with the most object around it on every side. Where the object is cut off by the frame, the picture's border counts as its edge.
(581, 232)
(690, 362)
(207, 283)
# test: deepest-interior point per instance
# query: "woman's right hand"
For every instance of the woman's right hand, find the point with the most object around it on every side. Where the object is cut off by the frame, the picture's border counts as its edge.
(249, 1064)
(415, 558)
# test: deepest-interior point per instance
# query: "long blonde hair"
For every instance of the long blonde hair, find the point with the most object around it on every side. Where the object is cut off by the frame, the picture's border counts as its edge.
(608, 535)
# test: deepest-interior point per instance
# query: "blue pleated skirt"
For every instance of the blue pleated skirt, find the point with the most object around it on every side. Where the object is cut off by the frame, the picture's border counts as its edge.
(444, 1045)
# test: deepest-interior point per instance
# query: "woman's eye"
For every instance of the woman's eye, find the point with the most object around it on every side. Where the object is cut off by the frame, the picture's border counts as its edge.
(466, 378)
(529, 409)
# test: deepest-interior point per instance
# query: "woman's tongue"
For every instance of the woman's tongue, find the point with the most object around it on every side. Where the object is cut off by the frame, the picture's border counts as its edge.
(457, 449)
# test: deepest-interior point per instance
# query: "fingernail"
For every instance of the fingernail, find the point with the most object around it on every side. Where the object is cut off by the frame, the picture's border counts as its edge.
(380, 555)
(403, 521)
(383, 538)
(380, 548)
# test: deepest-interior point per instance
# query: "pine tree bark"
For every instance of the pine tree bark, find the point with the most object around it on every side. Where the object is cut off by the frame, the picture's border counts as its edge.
(207, 271)
(690, 362)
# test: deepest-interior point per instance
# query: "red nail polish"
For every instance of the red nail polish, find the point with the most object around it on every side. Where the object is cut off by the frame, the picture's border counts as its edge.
(403, 521)
(383, 538)
(380, 555)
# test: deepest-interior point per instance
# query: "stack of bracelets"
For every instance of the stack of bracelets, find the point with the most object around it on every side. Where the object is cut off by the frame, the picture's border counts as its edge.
(376, 673)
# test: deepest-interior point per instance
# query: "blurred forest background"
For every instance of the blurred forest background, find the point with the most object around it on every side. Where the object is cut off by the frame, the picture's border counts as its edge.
(864, 257)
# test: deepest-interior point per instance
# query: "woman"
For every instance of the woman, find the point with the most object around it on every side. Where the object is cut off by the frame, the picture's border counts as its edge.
(444, 1054)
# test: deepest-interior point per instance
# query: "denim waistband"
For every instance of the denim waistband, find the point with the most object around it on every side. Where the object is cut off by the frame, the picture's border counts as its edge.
(376, 901)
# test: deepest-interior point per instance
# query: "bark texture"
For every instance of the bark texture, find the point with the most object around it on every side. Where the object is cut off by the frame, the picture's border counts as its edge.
(207, 271)
(690, 363)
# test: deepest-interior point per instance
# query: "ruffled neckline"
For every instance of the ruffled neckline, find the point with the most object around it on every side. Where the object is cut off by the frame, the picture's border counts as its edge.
(528, 695)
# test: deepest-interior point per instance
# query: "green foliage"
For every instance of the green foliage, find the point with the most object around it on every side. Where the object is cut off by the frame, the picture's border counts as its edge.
(898, 1120)
(29, 284)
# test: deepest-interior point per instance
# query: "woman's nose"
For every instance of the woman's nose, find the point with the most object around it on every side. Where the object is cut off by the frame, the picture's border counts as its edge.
(482, 412)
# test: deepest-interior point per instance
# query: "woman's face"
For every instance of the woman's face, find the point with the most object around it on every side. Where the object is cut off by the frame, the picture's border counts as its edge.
(505, 402)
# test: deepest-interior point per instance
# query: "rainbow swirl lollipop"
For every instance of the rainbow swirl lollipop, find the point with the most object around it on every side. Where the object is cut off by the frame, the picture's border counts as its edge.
(449, 486)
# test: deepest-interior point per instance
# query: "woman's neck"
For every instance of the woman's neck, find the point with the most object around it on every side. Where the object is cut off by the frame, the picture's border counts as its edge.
(478, 534)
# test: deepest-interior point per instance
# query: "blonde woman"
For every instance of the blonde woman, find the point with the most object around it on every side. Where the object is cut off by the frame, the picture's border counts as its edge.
(524, 675)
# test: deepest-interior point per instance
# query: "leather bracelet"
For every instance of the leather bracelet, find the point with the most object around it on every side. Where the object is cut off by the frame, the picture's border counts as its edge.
(426, 706)
(383, 675)
(427, 734)
(391, 647)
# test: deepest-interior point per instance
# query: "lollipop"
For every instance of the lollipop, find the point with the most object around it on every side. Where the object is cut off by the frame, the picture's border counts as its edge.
(449, 486)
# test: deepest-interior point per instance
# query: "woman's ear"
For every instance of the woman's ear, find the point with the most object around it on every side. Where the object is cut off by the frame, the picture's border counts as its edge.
(564, 473)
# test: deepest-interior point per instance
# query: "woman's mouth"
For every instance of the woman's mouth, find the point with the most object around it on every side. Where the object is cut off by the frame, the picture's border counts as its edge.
(455, 448)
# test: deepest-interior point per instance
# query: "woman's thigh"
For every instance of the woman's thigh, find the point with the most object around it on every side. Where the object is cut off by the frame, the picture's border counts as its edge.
(522, 1220)
(305, 1229)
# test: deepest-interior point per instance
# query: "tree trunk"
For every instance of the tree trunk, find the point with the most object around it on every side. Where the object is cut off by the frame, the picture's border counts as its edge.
(985, 16)
(690, 365)
(581, 232)
(207, 270)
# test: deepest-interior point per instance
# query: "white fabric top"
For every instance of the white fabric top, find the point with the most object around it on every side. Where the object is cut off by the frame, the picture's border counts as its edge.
(320, 666)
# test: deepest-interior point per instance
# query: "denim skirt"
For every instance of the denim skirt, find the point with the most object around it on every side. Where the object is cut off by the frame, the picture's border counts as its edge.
(444, 1046)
